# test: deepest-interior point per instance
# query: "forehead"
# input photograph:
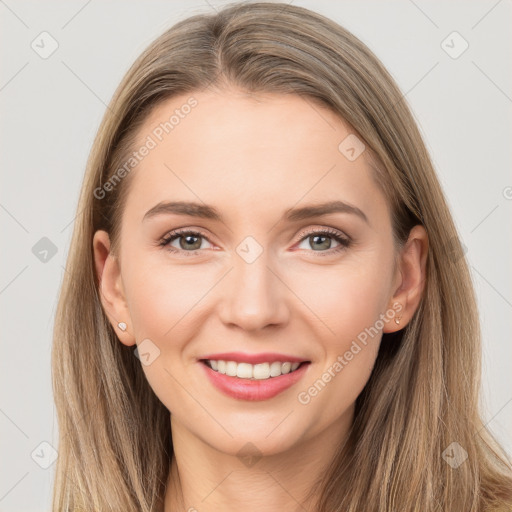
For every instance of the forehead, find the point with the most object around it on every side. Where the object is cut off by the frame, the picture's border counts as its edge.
(257, 154)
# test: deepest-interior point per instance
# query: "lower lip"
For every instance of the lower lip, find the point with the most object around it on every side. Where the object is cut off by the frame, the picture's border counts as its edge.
(253, 389)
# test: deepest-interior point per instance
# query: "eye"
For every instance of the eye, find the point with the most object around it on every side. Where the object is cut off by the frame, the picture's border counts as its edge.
(322, 239)
(189, 241)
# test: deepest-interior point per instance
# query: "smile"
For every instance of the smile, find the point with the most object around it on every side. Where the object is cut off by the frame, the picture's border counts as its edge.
(259, 371)
(245, 381)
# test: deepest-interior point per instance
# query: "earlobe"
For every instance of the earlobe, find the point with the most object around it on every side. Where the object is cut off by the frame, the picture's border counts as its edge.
(412, 271)
(110, 288)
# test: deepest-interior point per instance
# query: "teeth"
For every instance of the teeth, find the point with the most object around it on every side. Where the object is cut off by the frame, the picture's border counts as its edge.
(259, 371)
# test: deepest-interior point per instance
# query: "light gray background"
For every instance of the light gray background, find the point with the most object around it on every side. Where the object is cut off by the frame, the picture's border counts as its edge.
(51, 109)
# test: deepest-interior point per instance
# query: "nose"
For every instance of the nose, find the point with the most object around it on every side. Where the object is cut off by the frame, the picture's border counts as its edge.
(254, 296)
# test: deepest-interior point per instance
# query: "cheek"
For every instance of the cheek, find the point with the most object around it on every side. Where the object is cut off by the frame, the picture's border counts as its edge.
(354, 335)
(164, 301)
(350, 347)
(161, 296)
(345, 299)
(349, 305)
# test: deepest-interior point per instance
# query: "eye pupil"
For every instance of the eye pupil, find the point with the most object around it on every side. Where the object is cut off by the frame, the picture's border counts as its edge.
(188, 238)
(314, 238)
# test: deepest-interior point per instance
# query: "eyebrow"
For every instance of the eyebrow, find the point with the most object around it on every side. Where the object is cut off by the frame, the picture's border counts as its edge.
(204, 211)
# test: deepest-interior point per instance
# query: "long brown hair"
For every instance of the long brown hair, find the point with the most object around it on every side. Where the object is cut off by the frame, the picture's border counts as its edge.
(423, 394)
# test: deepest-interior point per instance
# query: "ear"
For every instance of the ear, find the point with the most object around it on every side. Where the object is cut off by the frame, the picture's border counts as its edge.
(410, 278)
(110, 287)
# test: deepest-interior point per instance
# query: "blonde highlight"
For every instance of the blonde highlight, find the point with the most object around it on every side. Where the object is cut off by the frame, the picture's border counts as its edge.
(423, 393)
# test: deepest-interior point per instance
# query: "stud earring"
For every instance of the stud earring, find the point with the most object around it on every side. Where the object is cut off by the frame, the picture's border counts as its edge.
(122, 326)
(397, 320)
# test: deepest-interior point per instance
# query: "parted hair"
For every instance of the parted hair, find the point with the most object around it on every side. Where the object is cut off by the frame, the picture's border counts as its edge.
(424, 391)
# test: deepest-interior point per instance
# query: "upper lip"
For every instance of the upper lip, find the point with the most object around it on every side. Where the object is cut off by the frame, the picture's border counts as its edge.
(265, 357)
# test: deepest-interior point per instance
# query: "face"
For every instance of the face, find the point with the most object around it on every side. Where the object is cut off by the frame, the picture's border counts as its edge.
(257, 278)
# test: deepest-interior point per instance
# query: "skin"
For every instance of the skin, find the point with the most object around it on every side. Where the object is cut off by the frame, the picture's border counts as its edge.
(253, 157)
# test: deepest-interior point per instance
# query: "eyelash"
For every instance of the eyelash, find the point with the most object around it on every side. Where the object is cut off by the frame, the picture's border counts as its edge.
(173, 235)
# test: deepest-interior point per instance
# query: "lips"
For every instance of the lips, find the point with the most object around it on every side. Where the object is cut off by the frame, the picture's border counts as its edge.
(265, 357)
(253, 389)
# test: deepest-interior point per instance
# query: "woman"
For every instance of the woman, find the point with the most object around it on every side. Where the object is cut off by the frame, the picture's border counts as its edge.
(267, 304)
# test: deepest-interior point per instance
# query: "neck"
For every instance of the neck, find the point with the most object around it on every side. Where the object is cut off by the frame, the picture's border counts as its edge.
(204, 479)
